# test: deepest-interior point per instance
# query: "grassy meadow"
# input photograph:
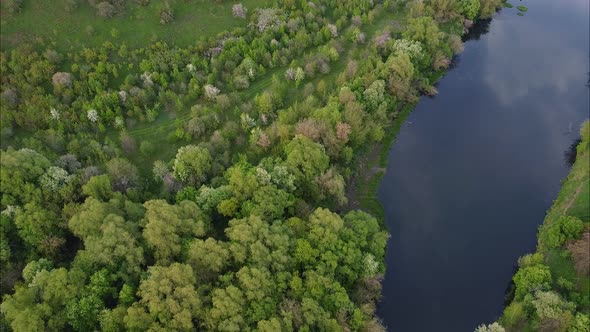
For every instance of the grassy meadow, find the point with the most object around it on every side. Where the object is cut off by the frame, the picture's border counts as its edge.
(139, 26)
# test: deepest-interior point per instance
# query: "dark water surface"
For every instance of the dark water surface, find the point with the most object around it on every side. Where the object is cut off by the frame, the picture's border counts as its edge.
(474, 170)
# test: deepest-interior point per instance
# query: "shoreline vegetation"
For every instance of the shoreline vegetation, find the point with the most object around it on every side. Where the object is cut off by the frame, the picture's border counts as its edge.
(210, 184)
(551, 288)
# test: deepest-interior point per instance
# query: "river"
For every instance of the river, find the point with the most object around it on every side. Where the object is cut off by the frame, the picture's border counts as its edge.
(474, 170)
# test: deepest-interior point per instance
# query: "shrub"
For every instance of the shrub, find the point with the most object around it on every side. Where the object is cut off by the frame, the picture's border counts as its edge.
(531, 260)
(166, 14)
(238, 10)
(105, 9)
(62, 79)
(555, 234)
(13, 6)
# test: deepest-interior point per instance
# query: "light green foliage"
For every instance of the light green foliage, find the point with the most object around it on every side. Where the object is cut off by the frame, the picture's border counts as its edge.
(112, 320)
(255, 242)
(226, 313)
(299, 75)
(114, 246)
(268, 202)
(210, 257)
(424, 29)
(555, 234)
(548, 305)
(54, 178)
(513, 314)
(40, 305)
(401, 73)
(264, 103)
(306, 159)
(489, 7)
(34, 267)
(469, 8)
(374, 94)
(208, 198)
(166, 226)
(168, 300)
(581, 323)
(27, 163)
(332, 187)
(530, 279)
(444, 10)
(89, 218)
(411, 48)
(192, 164)
(274, 324)
(98, 187)
(531, 260)
(494, 327)
(82, 314)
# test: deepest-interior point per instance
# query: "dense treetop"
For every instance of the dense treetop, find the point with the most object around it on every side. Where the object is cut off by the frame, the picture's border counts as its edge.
(204, 185)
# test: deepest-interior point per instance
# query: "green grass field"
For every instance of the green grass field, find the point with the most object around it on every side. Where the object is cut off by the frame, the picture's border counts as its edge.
(138, 26)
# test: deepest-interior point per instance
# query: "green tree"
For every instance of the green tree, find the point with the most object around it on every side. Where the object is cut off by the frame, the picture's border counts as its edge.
(123, 174)
(469, 8)
(98, 187)
(34, 267)
(555, 234)
(306, 160)
(29, 164)
(114, 246)
(192, 165)
(226, 313)
(210, 257)
(530, 279)
(489, 7)
(88, 219)
(425, 30)
(168, 301)
(268, 202)
(39, 228)
(40, 305)
(548, 305)
(166, 226)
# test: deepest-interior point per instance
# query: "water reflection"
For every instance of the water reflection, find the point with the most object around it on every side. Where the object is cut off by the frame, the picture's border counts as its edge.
(480, 28)
(470, 180)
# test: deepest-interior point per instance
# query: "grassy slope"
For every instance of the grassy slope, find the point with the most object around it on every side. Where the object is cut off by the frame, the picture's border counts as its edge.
(138, 27)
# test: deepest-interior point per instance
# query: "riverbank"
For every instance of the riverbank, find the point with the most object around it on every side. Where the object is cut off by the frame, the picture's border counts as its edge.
(472, 174)
(552, 285)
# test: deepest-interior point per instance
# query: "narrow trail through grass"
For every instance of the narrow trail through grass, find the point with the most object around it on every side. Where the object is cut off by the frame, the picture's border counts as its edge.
(153, 129)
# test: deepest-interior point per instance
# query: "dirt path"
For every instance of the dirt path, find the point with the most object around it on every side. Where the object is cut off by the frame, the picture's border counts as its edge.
(574, 197)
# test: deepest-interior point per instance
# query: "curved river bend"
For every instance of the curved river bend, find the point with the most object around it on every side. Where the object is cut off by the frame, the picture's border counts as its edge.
(474, 170)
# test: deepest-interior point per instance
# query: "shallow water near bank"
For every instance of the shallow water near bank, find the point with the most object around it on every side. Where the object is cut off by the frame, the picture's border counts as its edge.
(474, 170)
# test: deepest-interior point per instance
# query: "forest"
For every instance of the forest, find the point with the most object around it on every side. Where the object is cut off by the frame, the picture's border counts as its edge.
(191, 165)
